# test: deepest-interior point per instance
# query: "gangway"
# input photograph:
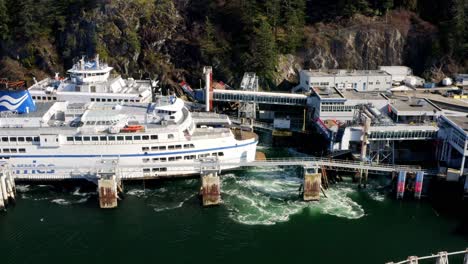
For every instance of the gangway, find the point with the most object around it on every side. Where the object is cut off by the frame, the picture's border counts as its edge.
(441, 257)
(128, 172)
(260, 97)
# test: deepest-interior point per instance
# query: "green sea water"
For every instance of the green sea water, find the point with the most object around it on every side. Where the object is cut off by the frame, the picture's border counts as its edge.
(262, 220)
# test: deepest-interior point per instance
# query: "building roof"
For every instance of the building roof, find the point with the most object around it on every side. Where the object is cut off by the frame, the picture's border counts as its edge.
(328, 93)
(412, 106)
(460, 121)
(342, 72)
(355, 95)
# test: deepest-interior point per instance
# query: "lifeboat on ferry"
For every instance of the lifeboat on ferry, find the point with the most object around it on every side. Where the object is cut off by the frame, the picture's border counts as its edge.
(131, 128)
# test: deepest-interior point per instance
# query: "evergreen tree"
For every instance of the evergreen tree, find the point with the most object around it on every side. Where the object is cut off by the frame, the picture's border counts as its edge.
(4, 20)
(263, 51)
(294, 16)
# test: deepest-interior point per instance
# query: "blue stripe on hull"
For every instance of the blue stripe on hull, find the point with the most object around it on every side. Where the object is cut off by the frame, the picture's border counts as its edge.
(130, 155)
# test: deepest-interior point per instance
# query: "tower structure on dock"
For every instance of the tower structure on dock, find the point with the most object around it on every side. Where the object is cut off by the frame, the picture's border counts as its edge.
(249, 83)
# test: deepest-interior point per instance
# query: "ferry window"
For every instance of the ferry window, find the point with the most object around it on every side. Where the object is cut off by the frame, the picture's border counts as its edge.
(108, 100)
(162, 147)
(220, 154)
(111, 138)
(21, 139)
(103, 138)
(163, 169)
(6, 150)
(77, 138)
(95, 138)
(126, 100)
(92, 99)
(114, 100)
(154, 136)
(154, 148)
(34, 97)
(132, 101)
(128, 137)
(54, 98)
(120, 138)
(22, 150)
(214, 154)
(192, 146)
(178, 146)
(28, 139)
(98, 99)
(4, 139)
(145, 160)
(12, 139)
(155, 159)
(145, 148)
(86, 138)
(13, 150)
(145, 137)
(137, 138)
(170, 136)
(36, 139)
(146, 170)
(43, 98)
(69, 138)
(171, 147)
(178, 157)
(171, 158)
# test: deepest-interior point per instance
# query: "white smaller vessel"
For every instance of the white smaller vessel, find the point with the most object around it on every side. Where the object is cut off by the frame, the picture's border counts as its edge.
(92, 81)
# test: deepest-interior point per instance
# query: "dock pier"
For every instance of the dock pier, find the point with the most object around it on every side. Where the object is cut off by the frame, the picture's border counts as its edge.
(109, 184)
(210, 189)
(7, 187)
(312, 184)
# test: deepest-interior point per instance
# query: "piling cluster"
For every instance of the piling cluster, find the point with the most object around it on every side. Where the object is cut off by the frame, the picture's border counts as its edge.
(7, 189)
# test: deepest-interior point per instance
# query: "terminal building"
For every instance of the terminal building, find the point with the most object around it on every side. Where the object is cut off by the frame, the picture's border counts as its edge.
(359, 80)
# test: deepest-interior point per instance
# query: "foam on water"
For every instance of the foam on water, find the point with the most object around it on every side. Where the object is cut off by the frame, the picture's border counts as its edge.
(22, 188)
(260, 198)
(61, 201)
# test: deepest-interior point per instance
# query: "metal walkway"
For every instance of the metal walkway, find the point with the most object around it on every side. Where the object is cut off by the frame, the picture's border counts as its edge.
(88, 172)
(260, 97)
(441, 258)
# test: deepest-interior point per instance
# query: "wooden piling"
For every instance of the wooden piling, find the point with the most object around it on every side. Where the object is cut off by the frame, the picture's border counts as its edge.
(324, 180)
(4, 189)
(108, 192)
(210, 189)
(2, 203)
(312, 186)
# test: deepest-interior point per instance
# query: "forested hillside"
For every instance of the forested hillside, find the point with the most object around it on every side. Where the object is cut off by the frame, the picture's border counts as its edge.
(275, 38)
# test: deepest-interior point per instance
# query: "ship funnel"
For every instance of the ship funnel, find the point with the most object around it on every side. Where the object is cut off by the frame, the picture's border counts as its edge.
(16, 101)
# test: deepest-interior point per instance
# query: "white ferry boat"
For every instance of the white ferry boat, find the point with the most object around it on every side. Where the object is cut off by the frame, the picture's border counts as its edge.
(92, 81)
(62, 140)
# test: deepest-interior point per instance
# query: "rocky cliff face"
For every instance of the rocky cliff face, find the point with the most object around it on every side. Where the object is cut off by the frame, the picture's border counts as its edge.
(363, 43)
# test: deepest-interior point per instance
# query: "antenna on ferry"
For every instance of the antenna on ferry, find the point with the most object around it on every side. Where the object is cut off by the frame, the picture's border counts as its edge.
(56, 76)
(82, 62)
(97, 60)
